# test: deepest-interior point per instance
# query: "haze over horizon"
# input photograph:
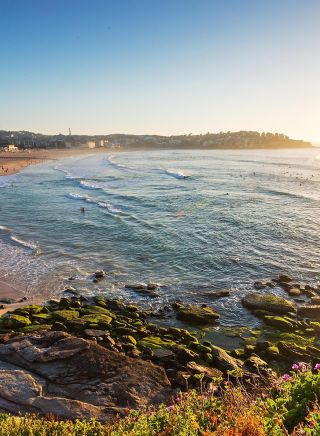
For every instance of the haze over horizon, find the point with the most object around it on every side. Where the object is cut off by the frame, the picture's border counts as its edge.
(160, 67)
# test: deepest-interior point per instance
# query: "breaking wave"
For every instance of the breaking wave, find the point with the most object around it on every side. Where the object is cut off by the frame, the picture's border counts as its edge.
(176, 174)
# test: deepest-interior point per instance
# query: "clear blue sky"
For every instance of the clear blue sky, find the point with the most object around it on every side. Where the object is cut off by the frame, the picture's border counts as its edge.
(160, 66)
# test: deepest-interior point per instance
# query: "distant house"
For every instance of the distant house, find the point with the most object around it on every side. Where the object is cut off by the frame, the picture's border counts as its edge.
(91, 144)
(12, 148)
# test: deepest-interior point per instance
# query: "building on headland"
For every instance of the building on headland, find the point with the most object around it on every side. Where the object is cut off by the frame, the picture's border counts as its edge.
(91, 144)
(12, 148)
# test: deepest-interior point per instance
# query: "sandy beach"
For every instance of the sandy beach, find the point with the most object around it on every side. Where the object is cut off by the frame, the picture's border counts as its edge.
(13, 162)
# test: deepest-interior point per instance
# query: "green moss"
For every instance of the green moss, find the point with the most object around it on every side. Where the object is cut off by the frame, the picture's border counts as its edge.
(237, 353)
(97, 319)
(65, 315)
(197, 315)
(280, 322)
(34, 328)
(154, 342)
(31, 309)
(296, 339)
(272, 351)
(131, 339)
(208, 358)
(42, 318)
(97, 309)
(315, 326)
(14, 321)
(203, 348)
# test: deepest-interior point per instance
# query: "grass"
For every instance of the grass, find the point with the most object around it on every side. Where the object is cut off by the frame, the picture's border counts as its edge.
(286, 406)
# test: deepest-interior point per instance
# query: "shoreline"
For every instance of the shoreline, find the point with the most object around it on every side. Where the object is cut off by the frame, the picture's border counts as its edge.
(13, 163)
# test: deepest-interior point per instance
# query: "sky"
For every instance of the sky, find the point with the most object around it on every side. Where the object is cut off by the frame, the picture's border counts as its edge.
(160, 66)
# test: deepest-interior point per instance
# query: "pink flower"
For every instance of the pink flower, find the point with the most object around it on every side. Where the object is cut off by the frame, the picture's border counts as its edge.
(170, 408)
(317, 366)
(312, 423)
(295, 367)
(286, 377)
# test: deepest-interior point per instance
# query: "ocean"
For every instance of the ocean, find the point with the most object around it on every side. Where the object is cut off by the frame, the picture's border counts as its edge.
(193, 221)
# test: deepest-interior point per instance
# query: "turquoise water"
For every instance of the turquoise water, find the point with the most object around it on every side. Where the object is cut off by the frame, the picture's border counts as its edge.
(193, 221)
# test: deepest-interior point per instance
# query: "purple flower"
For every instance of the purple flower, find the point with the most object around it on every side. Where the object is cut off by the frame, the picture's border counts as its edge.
(295, 367)
(286, 377)
(317, 366)
(170, 408)
(177, 399)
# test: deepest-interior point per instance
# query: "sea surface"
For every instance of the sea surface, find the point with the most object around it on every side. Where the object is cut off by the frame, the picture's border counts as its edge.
(193, 221)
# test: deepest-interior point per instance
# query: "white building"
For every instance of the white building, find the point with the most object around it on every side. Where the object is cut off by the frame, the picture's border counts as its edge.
(91, 144)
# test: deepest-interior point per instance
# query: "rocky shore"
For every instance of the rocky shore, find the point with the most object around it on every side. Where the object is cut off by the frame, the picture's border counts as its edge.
(80, 357)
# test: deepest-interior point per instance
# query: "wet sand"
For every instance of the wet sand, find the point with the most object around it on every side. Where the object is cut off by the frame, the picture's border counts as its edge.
(13, 162)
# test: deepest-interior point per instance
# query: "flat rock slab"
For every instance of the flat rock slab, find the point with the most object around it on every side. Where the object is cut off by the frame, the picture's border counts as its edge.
(269, 302)
(75, 378)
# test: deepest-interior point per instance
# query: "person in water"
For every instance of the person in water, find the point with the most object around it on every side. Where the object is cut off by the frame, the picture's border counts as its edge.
(82, 210)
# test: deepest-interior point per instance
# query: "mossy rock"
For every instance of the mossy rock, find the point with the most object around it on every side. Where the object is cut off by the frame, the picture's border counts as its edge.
(132, 308)
(77, 325)
(97, 319)
(197, 315)
(272, 351)
(14, 321)
(296, 339)
(259, 313)
(89, 310)
(208, 358)
(280, 322)
(35, 328)
(249, 349)
(237, 353)
(154, 342)
(269, 302)
(42, 318)
(123, 330)
(31, 310)
(129, 339)
(203, 348)
(316, 326)
(65, 315)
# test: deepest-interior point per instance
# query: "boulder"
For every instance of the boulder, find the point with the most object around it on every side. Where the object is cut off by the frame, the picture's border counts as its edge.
(315, 300)
(309, 311)
(217, 294)
(290, 352)
(294, 292)
(255, 362)
(280, 322)
(99, 275)
(269, 302)
(201, 369)
(196, 314)
(14, 321)
(284, 278)
(223, 361)
(54, 372)
(260, 285)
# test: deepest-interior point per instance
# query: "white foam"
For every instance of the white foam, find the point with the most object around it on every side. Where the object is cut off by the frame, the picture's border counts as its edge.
(76, 196)
(88, 185)
(27, 244)
(5, 229)
(177, 174)
(101, 204)
(67, 173)
(111, 160)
